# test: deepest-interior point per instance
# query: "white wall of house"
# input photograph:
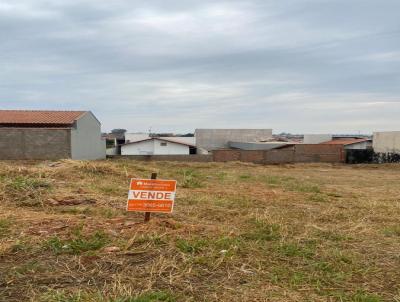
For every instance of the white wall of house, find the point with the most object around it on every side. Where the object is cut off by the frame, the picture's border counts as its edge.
(359, 146)
(387, 142)
(169, 148)
(154, 147)
(139, 148)
(86, 142)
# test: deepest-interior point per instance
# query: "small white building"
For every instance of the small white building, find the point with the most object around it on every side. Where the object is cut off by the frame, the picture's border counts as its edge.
(157, 146)
(139, 136)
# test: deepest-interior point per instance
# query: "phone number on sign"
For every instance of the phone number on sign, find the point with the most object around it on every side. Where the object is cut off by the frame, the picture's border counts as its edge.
(156, 205)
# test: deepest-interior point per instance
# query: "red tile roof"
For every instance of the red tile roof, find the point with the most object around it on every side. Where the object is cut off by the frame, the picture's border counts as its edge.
(346, 141)
(37, 118)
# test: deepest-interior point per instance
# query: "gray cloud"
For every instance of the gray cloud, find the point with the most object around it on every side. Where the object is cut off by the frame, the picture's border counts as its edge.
(299, 66)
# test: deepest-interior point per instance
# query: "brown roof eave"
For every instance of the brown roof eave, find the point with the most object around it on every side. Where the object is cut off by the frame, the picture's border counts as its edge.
(35, 125)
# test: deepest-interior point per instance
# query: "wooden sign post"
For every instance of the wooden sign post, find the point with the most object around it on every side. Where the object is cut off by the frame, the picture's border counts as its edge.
(147, 214)
(151, 195)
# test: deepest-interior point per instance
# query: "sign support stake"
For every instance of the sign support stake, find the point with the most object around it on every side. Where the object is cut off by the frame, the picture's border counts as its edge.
(147, 214)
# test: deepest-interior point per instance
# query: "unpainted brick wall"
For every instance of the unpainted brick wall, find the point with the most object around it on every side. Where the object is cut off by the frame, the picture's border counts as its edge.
(34, 143)
(319, 153)
(226, 155)
(280, 156)
(254, 156)
(295, 154)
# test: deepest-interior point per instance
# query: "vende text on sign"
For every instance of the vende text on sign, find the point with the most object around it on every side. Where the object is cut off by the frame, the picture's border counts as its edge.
(151, 195)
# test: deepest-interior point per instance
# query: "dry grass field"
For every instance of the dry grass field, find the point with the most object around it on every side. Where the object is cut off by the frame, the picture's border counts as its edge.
(239, 232)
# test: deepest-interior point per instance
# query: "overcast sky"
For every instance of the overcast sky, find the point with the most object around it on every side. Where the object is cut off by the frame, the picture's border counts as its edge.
(296, 65)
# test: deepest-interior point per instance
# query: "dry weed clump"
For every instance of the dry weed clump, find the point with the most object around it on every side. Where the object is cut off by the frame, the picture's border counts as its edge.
(239, 232)
(24, 190)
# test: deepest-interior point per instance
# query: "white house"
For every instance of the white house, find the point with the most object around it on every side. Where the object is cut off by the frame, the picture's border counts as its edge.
(157, 146)
(139, 136)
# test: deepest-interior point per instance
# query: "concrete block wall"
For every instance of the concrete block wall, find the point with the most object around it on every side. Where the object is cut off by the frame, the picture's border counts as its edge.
(34, 143)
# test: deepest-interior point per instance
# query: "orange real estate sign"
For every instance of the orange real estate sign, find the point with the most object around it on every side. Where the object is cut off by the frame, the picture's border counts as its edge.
(151, 195)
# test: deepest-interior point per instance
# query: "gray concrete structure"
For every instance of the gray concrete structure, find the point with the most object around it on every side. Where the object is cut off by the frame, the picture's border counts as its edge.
(211, 139)
(86, 142)
(55, 137)
(316, 138)
(387, 142)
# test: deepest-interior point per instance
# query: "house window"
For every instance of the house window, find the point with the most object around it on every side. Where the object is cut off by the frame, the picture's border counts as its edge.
(163, 144)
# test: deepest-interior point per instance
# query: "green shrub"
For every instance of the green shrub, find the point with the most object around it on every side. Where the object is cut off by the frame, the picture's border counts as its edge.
(191, 179)
(296, 250)
(190, 246)
(21, 183)
(365, 297)
(81, 296)
(149, 297)
(262, 231)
